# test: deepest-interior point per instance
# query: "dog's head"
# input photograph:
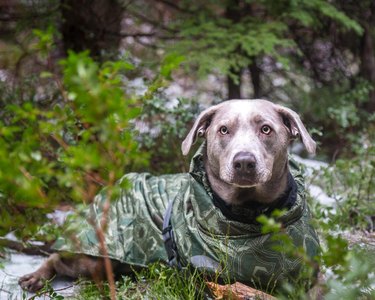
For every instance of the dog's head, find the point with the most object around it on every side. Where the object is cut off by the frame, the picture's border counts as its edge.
(247, 140)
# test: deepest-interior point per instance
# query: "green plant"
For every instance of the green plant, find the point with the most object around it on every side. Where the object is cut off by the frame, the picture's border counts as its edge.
(164, 128)
(340, 114)
(350, 182)
(158, 281)
(350, 271)
(292, 288)
(67, 144)
(47, 290)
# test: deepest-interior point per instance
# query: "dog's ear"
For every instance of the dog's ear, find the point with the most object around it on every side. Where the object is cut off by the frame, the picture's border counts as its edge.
(296, 128)
(199, 128)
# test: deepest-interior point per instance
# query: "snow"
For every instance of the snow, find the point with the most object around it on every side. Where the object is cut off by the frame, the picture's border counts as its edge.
(316, 192)
(3, 75)
(18, 264)
(320, 196)
(59, 216)
(310, 164)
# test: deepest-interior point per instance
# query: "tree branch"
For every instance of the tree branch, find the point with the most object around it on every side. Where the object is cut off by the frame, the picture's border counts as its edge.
(157, 24)
(29, 249)
(176, 7)
(137, 35)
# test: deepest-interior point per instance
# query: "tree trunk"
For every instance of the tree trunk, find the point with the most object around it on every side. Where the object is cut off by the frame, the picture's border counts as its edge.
(234, 89)
(91, 25)
(255, 73)
(233, 13)
(367, 55)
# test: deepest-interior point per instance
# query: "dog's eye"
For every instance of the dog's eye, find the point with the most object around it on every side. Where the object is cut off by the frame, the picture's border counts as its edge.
(266, 129)
(223, 130)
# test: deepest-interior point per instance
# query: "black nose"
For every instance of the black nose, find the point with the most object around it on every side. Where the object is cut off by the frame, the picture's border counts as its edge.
(244, 162)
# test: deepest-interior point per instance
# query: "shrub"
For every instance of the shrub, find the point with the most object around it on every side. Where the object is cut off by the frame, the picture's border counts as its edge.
(165, 125)
(65, 144)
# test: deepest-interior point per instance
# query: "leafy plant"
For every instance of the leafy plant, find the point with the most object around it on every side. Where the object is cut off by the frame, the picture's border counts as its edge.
(349, 271)
(350, 182)
(68, 146)
(346, 273)
(339, 113)
(284, 243)
(164, 125)
(47, 290)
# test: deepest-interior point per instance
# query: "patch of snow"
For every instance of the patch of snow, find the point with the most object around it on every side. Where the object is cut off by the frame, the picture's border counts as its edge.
(146, 128)
(137, 85)
(3, 75)
(311, 163)
(279, 65)
(59, 216)
(279, 81)
(17, 264)
(130, 40)
(11, 236)
(20, 264)
(297, 148)
(315, 191)
(174, 91)
(36, 243)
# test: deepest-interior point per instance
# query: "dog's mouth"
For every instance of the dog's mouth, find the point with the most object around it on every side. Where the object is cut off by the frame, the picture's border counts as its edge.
(248, 180)
(243, 181)
(254, 177)
(240, 180)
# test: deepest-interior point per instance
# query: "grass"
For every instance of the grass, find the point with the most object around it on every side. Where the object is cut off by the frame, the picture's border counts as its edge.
(156, 282)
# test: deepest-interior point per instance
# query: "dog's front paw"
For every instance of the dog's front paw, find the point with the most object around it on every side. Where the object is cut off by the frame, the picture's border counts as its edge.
(31, 282)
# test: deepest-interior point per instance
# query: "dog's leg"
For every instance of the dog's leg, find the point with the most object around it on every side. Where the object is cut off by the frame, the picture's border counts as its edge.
(63, 264)
(35, 281)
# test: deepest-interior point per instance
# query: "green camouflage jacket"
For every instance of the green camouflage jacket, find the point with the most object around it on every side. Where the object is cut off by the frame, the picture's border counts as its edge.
(240, 251)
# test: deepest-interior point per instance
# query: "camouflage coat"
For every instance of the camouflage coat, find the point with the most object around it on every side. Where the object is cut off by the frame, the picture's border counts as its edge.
(201, 230)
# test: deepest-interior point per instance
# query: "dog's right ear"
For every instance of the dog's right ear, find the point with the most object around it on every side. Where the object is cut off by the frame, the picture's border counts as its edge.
(199, 128)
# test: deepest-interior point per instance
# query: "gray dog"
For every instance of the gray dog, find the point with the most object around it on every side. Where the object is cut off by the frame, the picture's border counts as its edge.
(206, 218)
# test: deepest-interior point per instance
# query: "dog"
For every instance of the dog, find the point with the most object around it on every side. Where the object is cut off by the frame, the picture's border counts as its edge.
(206, 218)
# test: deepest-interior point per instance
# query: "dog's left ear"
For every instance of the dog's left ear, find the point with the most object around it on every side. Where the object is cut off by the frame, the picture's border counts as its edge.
(199, 128)
(296, 128)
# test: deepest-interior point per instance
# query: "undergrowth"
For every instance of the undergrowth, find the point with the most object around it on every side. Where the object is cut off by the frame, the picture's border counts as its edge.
(158, 281)
(351, 183)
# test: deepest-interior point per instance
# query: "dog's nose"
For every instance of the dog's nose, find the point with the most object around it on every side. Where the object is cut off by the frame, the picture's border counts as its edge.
(244, 162)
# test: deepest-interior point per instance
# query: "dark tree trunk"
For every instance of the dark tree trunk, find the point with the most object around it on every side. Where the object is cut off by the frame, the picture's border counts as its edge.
(255, 73)
(91, 25)
(368, 63)
(234, 89)
(233, 13)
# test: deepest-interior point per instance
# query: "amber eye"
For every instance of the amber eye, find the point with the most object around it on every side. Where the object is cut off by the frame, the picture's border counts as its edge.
(266, 129)
(223, 130)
